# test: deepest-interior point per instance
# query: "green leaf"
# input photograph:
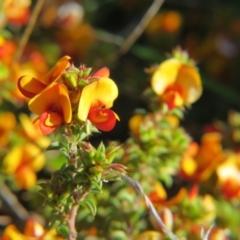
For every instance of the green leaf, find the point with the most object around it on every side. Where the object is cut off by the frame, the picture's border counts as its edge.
(147, 53)
(63, 231)
(96, 187)
(118, 235)
(55, 146)
(80, 178)
(89, 204)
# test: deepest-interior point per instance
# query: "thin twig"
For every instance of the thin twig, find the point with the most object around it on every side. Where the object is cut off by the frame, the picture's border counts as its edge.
(150, 206)
(11, 200)
(126, 44)
(151, 12)
(25, 37)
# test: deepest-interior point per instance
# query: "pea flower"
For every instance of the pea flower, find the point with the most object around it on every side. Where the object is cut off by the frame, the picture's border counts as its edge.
(96, 100)
(176, 81)
(199, 162)
(53, 107)
(23, 162)
(32, 230)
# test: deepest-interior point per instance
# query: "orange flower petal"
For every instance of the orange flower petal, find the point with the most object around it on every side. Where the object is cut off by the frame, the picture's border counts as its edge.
(104, 90)
(55, 73)
(25, 177)
(103, 119)
(53, 99)
(33, 229)
(30, 86)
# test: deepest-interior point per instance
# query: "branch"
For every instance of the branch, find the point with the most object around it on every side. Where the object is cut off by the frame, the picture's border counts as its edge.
(154, 8)
(73, 212)
(28, 30)
(150, 206)
(71, 222)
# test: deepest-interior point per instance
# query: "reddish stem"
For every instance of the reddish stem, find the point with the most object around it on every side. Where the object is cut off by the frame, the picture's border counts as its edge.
(71, 222)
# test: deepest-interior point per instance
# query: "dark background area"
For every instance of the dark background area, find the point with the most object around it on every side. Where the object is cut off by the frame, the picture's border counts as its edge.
(209, 31)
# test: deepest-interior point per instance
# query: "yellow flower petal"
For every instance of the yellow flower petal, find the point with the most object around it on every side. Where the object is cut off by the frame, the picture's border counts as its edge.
(34, 157)
(12, 233)
(160, 191)
(188, 166)
(165, 75)
(150, 235)
(104, 91)
(7, 123)
(13, 159)
(190, 82)
(7, 120)
(135, 122)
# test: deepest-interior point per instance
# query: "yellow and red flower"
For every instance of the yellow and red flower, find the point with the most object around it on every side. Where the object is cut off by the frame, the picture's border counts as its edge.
(177, 81)
(96, 100)
(53, 107)
(23, 162)
(228, 174)
(49, 98)
(66, 88)
(17, 12)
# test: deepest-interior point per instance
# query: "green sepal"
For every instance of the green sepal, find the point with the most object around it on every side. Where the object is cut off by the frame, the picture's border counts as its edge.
(82, 83)
(87, 72)
(71, 79)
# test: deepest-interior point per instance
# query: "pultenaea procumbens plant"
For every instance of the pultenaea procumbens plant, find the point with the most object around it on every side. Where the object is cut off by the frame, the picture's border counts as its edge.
(77, 103)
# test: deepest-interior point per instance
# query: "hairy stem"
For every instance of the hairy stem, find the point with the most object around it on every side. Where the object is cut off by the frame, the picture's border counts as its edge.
(73, 213)
(71, 222)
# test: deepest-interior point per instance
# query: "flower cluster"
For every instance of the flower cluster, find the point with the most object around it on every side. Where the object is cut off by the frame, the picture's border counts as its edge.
(32, 230)
(67, 94)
